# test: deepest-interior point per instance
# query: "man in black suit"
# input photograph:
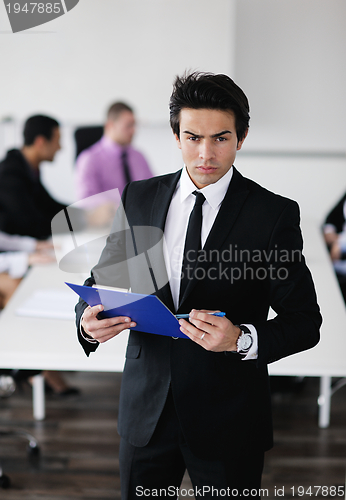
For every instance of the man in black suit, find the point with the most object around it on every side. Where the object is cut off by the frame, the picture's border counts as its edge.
(26, 207)
(203, 404)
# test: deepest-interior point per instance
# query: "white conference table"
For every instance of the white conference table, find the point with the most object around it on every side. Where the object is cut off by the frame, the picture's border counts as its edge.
(51, 344)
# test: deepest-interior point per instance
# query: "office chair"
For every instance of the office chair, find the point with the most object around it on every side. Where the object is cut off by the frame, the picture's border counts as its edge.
(7, 388)
(87, 136)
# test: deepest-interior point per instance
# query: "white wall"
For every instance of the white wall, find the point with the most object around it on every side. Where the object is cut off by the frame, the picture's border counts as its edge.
(102, 51)
(288, 56)
(316, 183)
(105, 50)
(290, 59)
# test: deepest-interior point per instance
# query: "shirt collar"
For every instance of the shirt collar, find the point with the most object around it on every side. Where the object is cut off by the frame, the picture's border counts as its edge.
(214, 193)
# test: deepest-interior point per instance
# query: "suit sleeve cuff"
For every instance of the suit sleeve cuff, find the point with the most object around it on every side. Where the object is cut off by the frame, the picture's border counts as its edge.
(84, 335)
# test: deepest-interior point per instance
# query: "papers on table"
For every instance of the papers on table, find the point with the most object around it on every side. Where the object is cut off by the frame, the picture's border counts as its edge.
(49, 303)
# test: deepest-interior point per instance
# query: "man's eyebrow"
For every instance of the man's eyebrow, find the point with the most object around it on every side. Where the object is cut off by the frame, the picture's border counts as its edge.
(191, 133)
(219, 134)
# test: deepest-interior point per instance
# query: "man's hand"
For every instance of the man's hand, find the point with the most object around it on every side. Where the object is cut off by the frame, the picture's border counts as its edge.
(44, 246)
(40, 258)
(103, 329)
(330, 237)
(335, 250)
(213, 333)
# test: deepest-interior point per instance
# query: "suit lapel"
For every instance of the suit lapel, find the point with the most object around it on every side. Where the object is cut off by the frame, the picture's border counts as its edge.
(231, 206)
(162, 200)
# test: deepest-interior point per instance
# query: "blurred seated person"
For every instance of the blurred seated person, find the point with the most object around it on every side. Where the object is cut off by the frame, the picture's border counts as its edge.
(335, 236)
(26, 207)
(17, 253)
(110, 164)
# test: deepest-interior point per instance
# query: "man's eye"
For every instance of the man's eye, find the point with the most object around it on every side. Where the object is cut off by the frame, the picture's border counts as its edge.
(192, 138)
(221, 139)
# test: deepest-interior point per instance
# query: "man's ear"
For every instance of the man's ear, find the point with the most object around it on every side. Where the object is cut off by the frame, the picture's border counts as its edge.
(240, 143)
(178, 141)
(39, 141)
(108, 125)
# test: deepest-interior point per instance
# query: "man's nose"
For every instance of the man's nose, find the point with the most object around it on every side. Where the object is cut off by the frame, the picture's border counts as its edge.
(206, 151)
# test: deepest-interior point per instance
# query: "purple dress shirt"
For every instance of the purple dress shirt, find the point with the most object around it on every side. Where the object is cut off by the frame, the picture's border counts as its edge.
(100, 169)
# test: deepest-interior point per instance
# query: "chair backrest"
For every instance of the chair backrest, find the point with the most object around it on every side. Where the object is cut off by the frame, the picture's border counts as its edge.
(87, 136)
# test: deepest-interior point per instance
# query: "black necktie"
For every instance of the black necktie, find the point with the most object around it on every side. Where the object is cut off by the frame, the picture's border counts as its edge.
(192, 243)
(126, 169)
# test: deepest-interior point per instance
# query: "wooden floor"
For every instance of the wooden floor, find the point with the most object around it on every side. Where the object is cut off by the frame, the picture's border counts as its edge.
(79, 444)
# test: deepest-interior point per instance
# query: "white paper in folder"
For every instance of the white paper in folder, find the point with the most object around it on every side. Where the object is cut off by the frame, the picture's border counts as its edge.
(49, 303)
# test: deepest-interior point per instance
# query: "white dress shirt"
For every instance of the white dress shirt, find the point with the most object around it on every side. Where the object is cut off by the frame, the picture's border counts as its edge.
(177, 219)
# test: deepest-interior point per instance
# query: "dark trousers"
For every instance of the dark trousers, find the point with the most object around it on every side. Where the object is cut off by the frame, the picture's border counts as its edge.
(157, 470)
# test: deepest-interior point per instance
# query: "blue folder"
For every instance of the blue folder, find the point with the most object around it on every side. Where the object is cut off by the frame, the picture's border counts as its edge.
(150, 314)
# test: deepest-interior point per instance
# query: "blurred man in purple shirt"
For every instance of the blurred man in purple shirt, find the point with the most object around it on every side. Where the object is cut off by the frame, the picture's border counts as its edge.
(110, 164)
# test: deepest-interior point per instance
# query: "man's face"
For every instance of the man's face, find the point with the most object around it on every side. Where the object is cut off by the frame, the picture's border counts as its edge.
(208, 142)
(122, 129)
(49, 147)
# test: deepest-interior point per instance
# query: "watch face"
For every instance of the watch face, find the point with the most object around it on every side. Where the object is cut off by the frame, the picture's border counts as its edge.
(245, 342)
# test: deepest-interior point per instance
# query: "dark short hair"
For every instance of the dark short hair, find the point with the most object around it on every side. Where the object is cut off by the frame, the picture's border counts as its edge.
(209, 91)
(38, 125)
(116, 109)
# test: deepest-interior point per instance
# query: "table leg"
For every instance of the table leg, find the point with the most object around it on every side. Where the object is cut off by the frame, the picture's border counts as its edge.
(324, 401)
(38, 397)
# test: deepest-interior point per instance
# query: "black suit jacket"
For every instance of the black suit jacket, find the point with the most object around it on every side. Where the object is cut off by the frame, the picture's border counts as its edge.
(223, 403)
(26, 208)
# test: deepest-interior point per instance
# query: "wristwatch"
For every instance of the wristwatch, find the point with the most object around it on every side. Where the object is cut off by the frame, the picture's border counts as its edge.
(244, 341)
